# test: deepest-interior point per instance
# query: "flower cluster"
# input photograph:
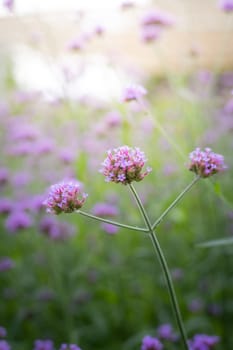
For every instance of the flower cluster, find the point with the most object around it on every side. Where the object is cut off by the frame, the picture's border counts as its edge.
(153, 22)
(124, 165)
(151, 343)
(226, 5)
(133, 93)
(203, 342)
(206, 163)
(65, 197)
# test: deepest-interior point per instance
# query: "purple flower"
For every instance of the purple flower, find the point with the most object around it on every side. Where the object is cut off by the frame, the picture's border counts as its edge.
(69, 347)
(203, 342)
(157, 17)
(18, 220)
(150, 33)
(124, 165)
(3, 332)
(8, 4)
(165, 331)
(43, 345)
(226, 5)
(6, 205)
(150, 343)
(56, 230)
(4, 345)
(133, 93)
(105, 209)
(109, 228)
(6, 264)
(4, 176)
(65, 197)
(206, 163)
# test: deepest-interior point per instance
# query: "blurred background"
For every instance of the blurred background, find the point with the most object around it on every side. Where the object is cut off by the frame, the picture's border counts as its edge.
(64, 69)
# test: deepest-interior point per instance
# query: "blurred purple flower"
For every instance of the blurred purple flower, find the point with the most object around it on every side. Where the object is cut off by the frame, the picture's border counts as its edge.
(206, 163)
(8, 4)
(18, 220)
(4, 345)
(166, 332)
(56, 230)
(203, 342)
(65, 197)
(124, 165)
(24, 132)
(105, 209)
(150, 343)
(43, 345)
(196, 305)
(6, 264)
(6, 205)
(69, 347)
(113, 119)
(109, 228)
(3, 332)
(133, 93)
(157, 17)
(76, 44)
(4, 176)
(45, 294)
(150, 33)
(226, 5)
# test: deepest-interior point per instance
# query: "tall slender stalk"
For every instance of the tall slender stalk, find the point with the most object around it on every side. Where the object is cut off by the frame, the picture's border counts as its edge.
(164, 266)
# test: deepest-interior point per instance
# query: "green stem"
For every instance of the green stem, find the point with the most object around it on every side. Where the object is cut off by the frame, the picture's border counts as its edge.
(158, 221)
(164, 265)
(134, 228)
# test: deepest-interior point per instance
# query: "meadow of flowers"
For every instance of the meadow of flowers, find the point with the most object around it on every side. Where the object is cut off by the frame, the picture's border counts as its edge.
(117, 217)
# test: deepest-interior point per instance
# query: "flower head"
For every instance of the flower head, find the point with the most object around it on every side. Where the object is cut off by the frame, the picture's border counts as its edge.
(65, 197)
(206, 163)
(124, 165)
(4, 345)
(150, 343)
(133, 93)
(203, 342)
(43, 345)
(226, 5)
(166, 332)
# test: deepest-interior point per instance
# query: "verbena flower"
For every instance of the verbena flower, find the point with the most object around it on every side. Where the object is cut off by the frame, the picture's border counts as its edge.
(157, 17)
(151, 343)
(124, 165)
(166, 332)
(206, 163)
(6, 264)
(43, 345)
(3, 332)
(4, 345)
(18, 220)
(203, 342)
(133, 93)
(226, 5)
(65, 197)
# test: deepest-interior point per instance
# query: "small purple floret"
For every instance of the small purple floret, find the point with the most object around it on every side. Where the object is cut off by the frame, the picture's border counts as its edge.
(65, 197)
(124, 165)
(206, 163)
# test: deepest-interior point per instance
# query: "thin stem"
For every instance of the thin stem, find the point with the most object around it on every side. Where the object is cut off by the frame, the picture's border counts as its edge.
(172, 205)
(164, 265)
(134, 228)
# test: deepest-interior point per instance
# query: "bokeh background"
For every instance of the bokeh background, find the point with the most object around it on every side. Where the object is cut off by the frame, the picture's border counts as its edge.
(64, 67)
